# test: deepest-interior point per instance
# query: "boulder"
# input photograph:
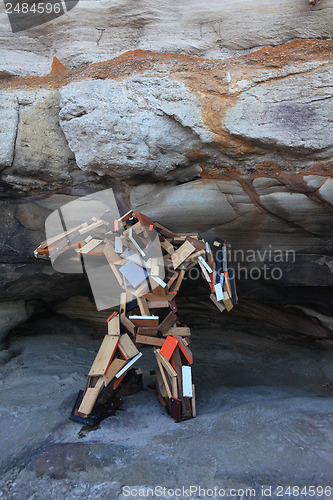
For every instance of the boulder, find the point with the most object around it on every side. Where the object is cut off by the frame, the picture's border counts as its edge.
(139, 127)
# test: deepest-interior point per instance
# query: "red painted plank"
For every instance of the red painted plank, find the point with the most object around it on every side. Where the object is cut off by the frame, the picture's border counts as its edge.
(169, 346)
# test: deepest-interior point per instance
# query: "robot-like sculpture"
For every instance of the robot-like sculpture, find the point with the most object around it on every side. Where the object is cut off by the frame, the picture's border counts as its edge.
(148, 263)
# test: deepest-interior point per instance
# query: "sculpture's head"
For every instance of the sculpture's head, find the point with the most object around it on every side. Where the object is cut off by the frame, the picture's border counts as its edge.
(89, 235)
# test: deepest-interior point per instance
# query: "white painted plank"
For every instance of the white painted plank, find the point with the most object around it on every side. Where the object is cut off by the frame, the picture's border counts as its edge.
(187, 381)
(118, 245)
(204, 263)
(128, 365)
(218, 292)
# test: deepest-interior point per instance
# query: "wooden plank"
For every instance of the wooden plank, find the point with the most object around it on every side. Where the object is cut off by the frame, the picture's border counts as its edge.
(159, 281)
(176, 409)
(174, 387)
(189, 266)
(112, 257)
(185, 235)
(167, 246)
(186, 404)
(165, 363)
(104, 222)
(219, 274)
(172, 279)
(90, 227)
(153, 296)
(155, 304)
(183, 331)
(104, 355)
(144, 220)
(187, 381)
(219, 305)
(89, 400)
(147, 321)
(185, 349)
(141, 339)
(227, 302)
(88, 247)
(233, 286)
(226, 285)
(213, 282)
(177, 365)
(114, 326)
(138, 228)
(156, 288)
(210, 258)
(165, 381)
(161, 387)
(127, 347)
(142, 290)
(204, 263)
(195, 256)
(168, 347)
(146, 331)
(198, 244)
(60, 236)
(129, 365)
(155, 268)
(114, 368)
(194, 410)
(143, 306)
(156, 301)
(173, 306)
(176, 287)
(123, 302)
(204, 272)
(164, 230)
(171, 373)
(168, 322)
(224, 259)
(128, 324)
(180, 255)
(126, 216)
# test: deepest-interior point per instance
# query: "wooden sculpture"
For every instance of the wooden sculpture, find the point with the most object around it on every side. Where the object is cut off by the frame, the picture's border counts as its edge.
(147, 315)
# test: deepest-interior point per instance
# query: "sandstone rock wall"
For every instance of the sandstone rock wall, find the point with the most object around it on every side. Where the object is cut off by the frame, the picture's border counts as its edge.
(213, 118)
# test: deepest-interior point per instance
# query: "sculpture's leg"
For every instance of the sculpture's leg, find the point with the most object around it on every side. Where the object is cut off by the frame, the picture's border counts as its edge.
(173, 374)
(111, 377)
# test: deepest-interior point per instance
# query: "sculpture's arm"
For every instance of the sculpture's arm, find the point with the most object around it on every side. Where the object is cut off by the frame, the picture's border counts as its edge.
(133, 232)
